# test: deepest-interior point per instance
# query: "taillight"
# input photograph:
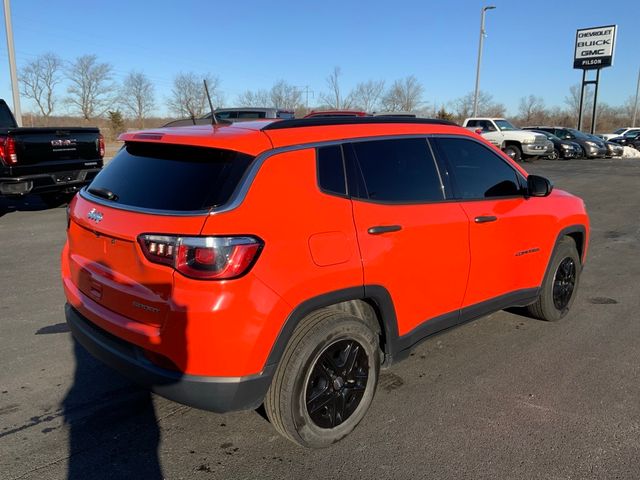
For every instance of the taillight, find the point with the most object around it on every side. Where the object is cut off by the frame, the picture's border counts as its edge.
(207, 258)
(8, 151)
(101, 149)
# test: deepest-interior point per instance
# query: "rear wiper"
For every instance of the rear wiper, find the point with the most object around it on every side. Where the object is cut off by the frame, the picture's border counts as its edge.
(103, 193)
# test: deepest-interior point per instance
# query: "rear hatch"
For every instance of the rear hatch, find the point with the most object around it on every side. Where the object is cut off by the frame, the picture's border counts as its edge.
(146, 189)
(37, 145)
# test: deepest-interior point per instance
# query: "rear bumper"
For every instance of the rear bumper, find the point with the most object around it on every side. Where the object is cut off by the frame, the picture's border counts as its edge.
(66, 181)
(217, 394)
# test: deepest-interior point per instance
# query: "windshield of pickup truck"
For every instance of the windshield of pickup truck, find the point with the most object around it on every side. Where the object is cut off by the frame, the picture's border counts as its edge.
(505, 126)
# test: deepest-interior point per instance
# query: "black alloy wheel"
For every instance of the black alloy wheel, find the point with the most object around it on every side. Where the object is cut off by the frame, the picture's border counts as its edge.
(564, 283)
(560, 284)
(337, 383)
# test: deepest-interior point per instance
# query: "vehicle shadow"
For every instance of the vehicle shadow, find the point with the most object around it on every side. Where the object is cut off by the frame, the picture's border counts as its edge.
(113, 431)
(30, 203)
(113, 426)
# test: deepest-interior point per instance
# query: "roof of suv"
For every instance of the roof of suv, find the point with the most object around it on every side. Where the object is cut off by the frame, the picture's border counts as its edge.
(254, 137)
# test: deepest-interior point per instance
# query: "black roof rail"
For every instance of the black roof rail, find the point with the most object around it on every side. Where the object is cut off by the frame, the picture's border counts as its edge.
(328, 121)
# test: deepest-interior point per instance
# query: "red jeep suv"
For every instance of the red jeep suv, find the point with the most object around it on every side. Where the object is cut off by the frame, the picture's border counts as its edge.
(284, 262)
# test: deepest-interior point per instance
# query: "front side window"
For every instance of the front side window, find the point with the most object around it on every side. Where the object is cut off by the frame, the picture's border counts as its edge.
(397, 171)
(477, 171)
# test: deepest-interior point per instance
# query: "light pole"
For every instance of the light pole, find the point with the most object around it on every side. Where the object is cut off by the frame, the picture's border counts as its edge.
(635, 104)
(12, 64)
(482, 34)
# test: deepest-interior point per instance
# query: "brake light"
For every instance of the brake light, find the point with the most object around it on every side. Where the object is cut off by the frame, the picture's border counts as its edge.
(101, 149)
(207, 258)
(8, 151)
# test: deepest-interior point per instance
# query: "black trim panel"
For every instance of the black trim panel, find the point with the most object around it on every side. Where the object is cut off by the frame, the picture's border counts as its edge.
(395, 347)
(217, 394)
(581, 229)
(439, 324)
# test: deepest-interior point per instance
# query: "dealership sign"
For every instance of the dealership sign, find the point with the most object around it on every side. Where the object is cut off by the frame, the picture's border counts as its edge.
(594, 47)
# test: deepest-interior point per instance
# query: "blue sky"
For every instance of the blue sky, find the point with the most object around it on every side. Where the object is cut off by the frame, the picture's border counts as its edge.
(251, 44)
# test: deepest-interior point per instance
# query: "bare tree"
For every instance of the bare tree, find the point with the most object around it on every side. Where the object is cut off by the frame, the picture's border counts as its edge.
(573, 100)
(257, 98)
(404, 95)
(334, 99)
(137, 96)
(91, 90)
(531, 109)
(463, 106)
(39, 78)
(367, 94)
(189, 98)
(285, 96)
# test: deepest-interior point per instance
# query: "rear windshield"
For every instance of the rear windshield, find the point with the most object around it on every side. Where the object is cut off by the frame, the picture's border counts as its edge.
(171, 177)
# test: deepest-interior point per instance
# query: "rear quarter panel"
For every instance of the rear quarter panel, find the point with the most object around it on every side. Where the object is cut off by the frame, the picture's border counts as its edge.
(310, 244)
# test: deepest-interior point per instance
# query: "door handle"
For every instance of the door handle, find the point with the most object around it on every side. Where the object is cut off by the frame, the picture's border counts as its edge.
(485, 219)
(379, 229)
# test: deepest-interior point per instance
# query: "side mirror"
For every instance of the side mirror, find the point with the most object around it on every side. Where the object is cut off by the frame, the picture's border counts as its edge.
(538, 186)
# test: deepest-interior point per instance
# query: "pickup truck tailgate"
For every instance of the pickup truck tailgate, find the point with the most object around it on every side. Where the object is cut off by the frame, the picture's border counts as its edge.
(38, 145)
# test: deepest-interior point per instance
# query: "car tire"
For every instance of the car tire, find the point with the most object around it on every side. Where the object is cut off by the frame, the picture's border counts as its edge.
(514, 152)
(326, 379)
(555, 155)
(581, 154)
(560, 284)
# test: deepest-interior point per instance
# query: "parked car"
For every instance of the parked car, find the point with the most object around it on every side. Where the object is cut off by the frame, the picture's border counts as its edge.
(591, 147)
(613, 149)
(513, 141)
(629, 139)
(561, 148)
(619, 132)
(284, 263)
(242, 114)
(54, 162)
(336, 113)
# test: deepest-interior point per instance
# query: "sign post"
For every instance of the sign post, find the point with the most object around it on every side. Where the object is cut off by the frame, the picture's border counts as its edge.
(593, 51)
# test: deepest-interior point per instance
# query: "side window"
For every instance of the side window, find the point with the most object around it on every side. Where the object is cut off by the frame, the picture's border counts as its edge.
(251, 114)
(487, 126)
(398, 171)
(477, 171)
(331, 178)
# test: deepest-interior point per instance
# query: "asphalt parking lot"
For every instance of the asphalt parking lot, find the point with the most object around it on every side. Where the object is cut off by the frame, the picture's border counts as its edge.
(503, 397)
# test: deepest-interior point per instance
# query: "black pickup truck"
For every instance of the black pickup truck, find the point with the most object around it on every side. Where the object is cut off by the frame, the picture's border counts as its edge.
(49, 161)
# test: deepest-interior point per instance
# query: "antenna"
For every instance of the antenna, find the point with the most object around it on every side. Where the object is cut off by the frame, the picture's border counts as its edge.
(214, 120)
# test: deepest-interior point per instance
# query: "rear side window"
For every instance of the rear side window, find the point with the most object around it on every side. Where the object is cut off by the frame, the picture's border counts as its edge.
(242, 114)
(399, 171)
(225, 115)
(331, 176)
(477, 171)
(172, 177)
